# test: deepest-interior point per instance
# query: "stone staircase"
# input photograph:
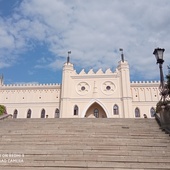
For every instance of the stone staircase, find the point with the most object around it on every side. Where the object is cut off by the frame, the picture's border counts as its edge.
(83, 144)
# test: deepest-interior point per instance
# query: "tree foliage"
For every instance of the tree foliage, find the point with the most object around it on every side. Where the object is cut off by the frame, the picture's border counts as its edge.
(165, 103)
(2, 110)
(162, 103)
(168, 81)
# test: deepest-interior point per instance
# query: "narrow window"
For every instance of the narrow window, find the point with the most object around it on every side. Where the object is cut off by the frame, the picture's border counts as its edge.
(29, 113)
(15, 114)
(76, 110)
(137, 112)
(96, 113)
(152, 112)
(115, 109)
(43, 113)
(57, 113)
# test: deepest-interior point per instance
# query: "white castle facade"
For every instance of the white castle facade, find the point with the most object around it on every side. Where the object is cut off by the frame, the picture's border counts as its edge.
(102, 95)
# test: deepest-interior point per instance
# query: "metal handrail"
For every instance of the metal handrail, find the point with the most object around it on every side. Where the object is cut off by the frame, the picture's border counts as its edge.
(158, 119)
(5, 116)
(163, 126)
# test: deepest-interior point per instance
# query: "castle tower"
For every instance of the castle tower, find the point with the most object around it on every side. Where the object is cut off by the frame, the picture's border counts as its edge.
(126, 97)
(66, 88)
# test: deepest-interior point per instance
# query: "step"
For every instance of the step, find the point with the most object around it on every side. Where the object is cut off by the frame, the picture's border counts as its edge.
(76, 144)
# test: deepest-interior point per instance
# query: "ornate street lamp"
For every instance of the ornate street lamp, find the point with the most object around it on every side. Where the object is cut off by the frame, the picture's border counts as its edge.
(164, 113)
(158, 52)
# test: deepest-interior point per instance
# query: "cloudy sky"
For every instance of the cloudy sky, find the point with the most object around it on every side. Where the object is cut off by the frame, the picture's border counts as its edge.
(35, 36)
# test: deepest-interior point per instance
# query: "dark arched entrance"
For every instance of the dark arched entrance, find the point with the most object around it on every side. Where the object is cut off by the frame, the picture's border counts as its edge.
(95, 111)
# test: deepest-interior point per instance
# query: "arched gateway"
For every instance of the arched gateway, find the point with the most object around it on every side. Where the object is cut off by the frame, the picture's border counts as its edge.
(95, 110)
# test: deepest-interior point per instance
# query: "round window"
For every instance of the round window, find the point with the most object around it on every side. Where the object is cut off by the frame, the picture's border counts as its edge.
(108, 87)
(83, 88)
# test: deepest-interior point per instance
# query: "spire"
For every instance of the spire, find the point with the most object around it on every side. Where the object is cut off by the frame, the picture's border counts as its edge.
(1, 79)
(122, 55)
(68, 58)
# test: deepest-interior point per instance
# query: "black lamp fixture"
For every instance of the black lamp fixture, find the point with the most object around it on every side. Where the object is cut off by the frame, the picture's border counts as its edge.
(158, 52)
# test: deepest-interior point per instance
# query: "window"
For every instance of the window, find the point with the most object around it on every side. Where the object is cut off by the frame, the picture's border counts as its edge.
(152, 112)
(108, 87)
(83, 88)
(96, 113)
(57, 113)
(137, 112)
(115, 109)
(76, 110)
(29, 113)
(15, 114)
(43, 113)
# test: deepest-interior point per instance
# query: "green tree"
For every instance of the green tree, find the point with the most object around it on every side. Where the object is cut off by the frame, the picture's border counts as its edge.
(168, 80)
(2, 110)
(165, 103)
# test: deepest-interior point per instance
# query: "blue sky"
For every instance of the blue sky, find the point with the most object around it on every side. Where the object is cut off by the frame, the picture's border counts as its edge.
(35, 36)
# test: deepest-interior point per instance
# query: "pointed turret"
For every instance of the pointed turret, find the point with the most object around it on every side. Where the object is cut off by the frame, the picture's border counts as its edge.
(122, 55)
(68, 58)
(1, 80)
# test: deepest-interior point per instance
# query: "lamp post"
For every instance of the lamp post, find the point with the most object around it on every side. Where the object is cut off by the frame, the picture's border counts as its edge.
(158, 52)
(164, 113)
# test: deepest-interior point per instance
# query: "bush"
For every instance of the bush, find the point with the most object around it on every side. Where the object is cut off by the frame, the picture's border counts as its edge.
(2, 110)
(162, 103)
(168, 81)
(165, 103)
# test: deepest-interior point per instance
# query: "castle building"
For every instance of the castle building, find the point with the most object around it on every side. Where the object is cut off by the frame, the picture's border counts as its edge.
(83, 95)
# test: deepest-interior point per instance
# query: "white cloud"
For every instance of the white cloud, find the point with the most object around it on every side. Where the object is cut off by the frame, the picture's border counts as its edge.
(93, 30)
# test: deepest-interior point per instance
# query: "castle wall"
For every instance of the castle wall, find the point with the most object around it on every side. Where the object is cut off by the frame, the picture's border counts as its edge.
(100, 90)
(104, 88)
(84, 89)
(145, 96)
(33, 97)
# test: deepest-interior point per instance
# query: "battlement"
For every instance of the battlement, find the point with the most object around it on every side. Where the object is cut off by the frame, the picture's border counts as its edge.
(31, 85)
(145, 82)
(98, 72)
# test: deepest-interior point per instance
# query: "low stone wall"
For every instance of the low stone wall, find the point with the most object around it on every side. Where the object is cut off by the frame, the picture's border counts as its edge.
(6, 116)
(164, 119)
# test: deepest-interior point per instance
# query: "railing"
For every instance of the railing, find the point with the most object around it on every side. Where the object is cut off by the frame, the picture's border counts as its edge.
(164, 121)
(6, 116)
(158, 119)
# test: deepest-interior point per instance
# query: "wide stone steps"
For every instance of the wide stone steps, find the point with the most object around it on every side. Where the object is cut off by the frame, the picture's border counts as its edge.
(83, 144)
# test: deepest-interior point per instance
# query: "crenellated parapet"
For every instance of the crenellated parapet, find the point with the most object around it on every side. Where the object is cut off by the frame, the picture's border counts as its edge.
(148, 84)
(30, 86)
(145, 82)
(98, 72)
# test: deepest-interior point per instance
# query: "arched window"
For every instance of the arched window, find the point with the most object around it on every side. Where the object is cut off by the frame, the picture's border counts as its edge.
(115, 109)
(76, 110)
(96, 113)
(57, 113)
(43, 113)
(137, 112)
(29, 113)
(15, 114)
(152, 112)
